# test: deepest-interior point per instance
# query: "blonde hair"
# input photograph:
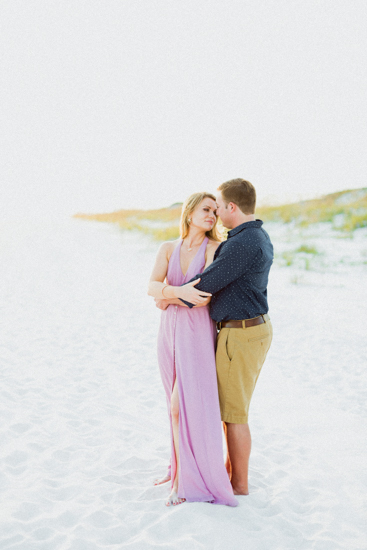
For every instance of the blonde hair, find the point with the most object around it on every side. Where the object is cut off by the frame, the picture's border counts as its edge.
(188, 208)
(240, 192)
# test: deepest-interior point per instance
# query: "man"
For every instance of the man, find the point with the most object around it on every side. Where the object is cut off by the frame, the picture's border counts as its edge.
(238, 279)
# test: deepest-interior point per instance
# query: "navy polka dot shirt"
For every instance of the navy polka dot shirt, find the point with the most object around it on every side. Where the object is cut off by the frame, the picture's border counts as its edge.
(238, 276)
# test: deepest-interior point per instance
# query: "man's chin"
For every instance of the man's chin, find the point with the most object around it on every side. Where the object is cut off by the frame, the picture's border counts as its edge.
(225, 224)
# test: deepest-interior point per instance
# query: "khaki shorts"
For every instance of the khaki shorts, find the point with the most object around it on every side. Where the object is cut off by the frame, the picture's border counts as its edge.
(240, 355)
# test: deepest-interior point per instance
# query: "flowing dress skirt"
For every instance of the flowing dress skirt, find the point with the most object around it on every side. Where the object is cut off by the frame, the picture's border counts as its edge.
(186, 352)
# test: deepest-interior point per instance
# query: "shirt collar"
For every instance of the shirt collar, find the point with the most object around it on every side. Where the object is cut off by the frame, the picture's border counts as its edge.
(245, 225)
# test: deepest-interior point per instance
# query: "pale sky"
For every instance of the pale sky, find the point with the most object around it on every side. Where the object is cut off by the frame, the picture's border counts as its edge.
(138, 103)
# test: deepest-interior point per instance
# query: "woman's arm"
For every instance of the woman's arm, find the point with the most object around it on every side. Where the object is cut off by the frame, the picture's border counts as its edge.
(159, 272)
(163, 304)
(186, 292)
(156, 285)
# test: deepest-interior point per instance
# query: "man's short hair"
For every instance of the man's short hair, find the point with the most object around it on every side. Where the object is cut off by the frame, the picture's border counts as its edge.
(240, 192)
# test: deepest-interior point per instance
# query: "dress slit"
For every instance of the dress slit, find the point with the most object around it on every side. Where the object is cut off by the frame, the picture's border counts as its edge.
(173, 464)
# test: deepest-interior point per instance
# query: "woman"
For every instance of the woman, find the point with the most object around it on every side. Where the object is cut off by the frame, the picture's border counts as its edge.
(186, 357)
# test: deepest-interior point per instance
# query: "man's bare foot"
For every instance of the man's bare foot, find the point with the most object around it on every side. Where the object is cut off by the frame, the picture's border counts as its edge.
(173, 499)
(162, 480)
(240, 490)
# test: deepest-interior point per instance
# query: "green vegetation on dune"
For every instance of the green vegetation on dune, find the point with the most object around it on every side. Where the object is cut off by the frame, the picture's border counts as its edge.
(306, 249)
(346, 211)
(304, 252)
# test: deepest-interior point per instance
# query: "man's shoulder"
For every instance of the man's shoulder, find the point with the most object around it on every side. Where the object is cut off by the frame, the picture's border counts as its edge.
(249, 241)
(252, 233)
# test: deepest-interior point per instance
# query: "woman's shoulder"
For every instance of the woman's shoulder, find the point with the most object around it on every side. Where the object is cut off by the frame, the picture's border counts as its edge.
(212, 244)
(211, 247)
(168, 247)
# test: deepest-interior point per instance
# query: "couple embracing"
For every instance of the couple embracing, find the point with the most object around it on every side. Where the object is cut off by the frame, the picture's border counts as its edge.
(213, 338)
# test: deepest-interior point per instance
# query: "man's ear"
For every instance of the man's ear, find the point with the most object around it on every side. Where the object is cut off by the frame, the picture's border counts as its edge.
(231, 207)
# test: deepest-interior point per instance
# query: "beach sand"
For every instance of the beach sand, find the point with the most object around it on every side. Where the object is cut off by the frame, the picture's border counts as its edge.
(84, 429)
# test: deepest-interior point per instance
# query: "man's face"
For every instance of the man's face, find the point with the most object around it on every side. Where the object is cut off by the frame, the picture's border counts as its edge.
(223, 212)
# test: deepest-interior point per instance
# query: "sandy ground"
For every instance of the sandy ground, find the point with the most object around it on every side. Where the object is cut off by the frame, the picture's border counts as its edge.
(83, 426)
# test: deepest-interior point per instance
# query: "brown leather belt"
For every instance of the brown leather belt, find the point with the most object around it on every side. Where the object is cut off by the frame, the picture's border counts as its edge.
(245, 323)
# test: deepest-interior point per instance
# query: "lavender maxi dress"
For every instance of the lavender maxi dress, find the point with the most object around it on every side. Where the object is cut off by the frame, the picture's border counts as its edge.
(186, 350)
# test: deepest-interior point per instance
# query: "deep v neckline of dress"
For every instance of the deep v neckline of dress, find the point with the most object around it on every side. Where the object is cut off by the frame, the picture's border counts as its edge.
(190, 264)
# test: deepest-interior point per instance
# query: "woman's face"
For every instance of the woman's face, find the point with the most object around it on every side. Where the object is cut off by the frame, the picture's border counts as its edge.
(204, 215)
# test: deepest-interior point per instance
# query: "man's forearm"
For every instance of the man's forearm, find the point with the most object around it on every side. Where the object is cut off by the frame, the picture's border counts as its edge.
(226, 269)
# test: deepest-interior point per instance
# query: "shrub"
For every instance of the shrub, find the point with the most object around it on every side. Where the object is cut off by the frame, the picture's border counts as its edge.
(288, 258)
(307, 249)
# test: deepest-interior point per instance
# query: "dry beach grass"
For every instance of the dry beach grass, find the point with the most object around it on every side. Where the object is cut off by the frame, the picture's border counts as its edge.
(345, 211)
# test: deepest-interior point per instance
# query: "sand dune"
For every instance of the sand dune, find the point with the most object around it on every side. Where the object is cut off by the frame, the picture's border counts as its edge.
(83, 417)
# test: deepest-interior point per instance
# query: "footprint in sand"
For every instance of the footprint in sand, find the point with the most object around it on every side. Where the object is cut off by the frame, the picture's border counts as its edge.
(42, 533)
(82, 544)
(113, 536)
(16, 458)
(135, 463)
(67, 519)
(62, 456)
(20, 428)
(65, 493)
(113, 479)
(11, 541)
(27, 511)
(37, 447)
(101, 520)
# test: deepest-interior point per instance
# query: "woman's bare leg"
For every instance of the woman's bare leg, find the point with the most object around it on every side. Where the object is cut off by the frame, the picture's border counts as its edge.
(228, 464)
(175, 412)
(162, 480)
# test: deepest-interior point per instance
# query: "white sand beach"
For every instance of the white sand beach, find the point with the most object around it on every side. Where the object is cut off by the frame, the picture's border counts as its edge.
(83, 421)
